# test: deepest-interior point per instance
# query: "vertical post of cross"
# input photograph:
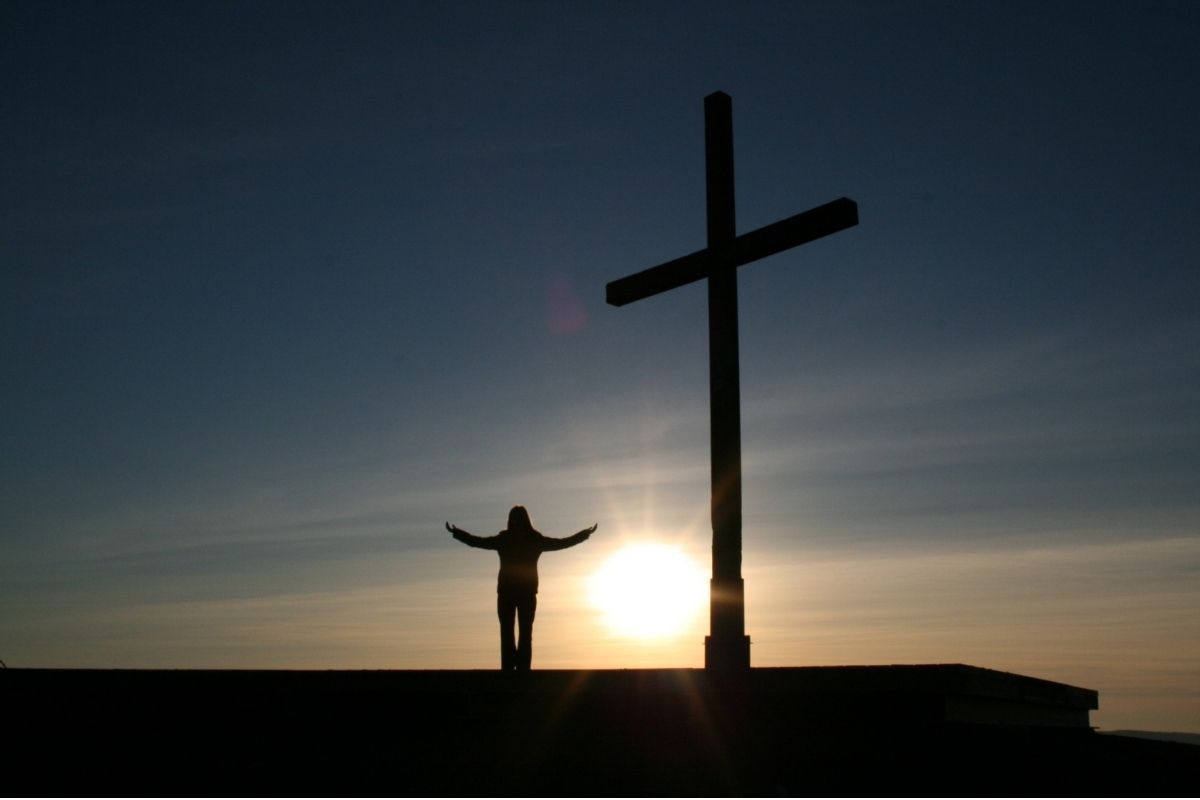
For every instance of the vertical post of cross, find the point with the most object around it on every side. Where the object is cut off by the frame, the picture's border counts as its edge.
(727, 647)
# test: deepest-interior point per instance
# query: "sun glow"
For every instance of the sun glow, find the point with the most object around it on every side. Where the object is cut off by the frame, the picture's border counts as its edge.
(648, 591)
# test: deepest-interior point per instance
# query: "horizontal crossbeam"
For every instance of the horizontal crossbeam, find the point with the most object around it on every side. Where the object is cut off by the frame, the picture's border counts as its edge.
(766, 241)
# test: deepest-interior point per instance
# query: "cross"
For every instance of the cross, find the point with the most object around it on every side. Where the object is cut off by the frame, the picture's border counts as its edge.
(727, 647)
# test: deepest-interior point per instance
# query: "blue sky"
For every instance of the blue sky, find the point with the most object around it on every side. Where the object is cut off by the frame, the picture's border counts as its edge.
(288, 285)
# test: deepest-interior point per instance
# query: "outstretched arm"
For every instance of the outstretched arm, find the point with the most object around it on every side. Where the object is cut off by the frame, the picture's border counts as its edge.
(486, 542)
(549, 543)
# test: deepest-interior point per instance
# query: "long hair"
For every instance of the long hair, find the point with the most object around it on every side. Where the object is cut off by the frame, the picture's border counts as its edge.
(519, 521)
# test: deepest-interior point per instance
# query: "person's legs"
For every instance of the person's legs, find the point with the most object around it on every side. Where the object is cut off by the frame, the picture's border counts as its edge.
(506, 610)
(526, 608)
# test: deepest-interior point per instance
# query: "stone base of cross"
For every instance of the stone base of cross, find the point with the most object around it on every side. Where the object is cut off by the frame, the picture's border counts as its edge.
(727, 647)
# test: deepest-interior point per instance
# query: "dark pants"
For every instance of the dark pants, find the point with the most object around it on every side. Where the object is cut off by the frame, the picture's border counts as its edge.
(522, 607)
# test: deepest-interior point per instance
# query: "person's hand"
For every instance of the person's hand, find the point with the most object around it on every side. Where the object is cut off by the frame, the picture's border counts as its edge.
(589, 531)
(453, 528)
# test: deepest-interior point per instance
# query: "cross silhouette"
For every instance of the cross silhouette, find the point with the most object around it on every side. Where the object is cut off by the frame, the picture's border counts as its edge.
(727, 647)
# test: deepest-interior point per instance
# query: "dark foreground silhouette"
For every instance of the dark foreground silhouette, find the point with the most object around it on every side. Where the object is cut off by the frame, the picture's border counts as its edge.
(519, 547)
(924, 730)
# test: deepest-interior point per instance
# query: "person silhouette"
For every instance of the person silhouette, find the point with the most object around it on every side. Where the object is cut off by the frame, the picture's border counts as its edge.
(519, 546)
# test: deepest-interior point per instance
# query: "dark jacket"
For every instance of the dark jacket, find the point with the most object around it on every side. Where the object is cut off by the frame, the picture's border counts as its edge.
(519, 554)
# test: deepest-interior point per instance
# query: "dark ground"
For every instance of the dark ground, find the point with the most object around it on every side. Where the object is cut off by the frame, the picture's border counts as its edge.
(825, 731)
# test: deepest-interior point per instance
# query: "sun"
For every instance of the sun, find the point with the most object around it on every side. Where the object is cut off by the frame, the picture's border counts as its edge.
(648, 591)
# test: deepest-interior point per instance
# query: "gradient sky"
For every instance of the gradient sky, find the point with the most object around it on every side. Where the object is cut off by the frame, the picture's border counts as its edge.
(286, 286)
